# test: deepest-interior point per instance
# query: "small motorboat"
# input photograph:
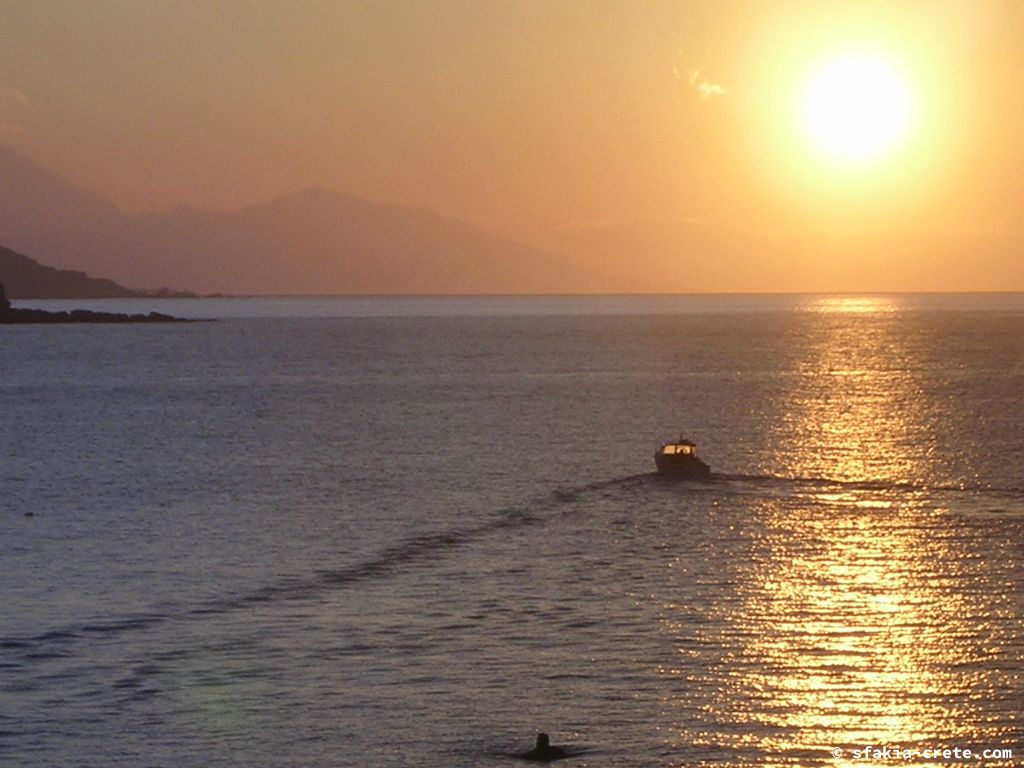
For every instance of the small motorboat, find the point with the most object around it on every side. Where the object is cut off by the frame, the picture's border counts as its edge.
(679, 459)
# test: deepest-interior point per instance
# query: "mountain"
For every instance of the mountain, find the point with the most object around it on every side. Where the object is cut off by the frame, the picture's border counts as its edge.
(673, 255)
(310, 242)
(42, 214)
(25, 278)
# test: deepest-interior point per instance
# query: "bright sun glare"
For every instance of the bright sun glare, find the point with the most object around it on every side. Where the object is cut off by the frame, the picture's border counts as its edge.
(856, 107)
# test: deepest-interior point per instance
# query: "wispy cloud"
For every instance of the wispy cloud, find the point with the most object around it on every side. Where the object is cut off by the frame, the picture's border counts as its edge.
(704, 87)
(14, 106)
(695, 80)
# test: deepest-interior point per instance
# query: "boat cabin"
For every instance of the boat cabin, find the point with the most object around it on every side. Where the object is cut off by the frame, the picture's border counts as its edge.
(682, 448)
(679, 459)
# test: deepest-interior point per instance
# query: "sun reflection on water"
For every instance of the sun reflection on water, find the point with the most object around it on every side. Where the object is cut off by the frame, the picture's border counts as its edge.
(848, 630)
(857, 410)
(857, 634)
(852, 304)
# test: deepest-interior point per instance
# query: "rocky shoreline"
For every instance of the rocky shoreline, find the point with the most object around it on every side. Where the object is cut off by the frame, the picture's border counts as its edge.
(11, 316)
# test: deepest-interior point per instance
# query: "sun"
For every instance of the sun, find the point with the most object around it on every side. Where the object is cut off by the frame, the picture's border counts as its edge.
(856, 108)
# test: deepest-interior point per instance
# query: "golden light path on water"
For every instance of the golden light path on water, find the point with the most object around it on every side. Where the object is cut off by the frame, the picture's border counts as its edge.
(853, 623)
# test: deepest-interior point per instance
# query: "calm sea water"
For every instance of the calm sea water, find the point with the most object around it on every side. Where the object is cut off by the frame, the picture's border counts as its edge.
(414, 532)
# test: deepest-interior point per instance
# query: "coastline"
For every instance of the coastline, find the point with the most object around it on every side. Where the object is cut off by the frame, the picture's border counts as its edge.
(41, 316)
(11, 316)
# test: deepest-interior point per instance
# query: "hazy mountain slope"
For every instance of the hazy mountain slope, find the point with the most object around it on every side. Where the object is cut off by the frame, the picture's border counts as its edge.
(316, 242)
(44, 215)
(311, 242)
(25, 278)
(672, 255)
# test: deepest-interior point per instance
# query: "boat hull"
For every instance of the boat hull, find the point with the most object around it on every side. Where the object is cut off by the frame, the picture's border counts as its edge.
(686, 467)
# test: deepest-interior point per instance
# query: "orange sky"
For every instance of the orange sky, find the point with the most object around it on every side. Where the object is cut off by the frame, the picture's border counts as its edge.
(553, 122)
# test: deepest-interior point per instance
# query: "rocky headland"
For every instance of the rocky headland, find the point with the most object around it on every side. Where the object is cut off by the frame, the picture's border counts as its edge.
(11, 316)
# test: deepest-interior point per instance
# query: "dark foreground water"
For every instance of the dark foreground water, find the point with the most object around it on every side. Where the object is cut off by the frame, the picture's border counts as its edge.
(414, 532)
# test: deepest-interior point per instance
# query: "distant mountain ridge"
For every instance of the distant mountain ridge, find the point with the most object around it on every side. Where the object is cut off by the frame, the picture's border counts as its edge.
(26, 278)
(311, 242)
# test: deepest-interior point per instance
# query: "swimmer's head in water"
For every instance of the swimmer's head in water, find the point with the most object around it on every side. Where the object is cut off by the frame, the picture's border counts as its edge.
(544, 752)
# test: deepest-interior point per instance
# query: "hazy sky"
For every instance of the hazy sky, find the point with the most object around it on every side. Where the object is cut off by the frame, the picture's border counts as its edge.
(522, 114)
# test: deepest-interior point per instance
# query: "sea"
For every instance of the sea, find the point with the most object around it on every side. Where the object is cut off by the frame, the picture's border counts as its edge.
(419, 531)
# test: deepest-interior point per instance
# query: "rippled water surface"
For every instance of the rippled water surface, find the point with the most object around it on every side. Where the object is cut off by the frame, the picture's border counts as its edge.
(415, 532)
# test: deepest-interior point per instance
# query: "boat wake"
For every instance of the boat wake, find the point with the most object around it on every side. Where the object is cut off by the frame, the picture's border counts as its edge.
(410, 552)
(417, 550)
(866, 485)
